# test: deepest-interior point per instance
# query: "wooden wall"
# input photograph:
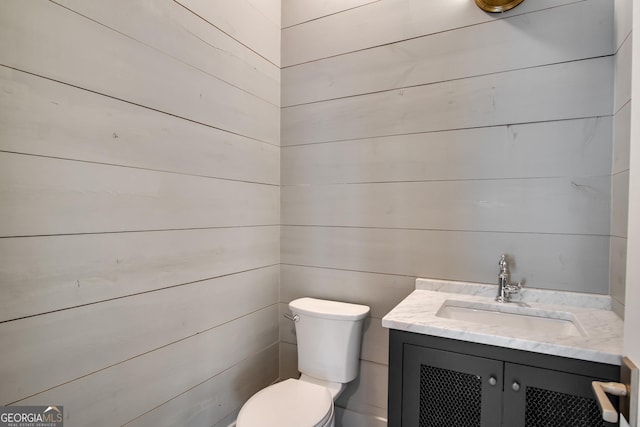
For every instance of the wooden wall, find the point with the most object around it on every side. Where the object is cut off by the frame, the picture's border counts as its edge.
(140, 207)
(621, 141)
(140, 165)
(424, 139)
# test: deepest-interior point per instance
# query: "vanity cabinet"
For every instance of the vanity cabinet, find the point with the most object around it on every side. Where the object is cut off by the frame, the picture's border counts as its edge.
(440, 382)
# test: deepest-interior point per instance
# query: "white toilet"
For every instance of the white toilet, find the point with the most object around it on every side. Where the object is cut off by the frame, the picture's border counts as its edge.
(329, 335)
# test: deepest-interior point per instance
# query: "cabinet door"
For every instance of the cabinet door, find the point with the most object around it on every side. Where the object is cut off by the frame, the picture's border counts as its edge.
(445, 389)
(535, 397)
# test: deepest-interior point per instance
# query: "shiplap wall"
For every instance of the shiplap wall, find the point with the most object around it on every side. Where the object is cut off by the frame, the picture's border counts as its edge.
(140, 207)
(621, 141)
(424, 139)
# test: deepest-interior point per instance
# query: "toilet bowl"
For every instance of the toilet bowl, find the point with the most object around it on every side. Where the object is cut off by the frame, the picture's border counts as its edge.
(328, 335)
(290, 403)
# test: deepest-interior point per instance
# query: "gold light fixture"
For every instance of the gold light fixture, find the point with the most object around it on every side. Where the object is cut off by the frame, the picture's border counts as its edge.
(497, 5)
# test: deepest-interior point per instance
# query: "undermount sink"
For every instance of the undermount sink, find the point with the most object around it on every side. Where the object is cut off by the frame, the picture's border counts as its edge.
(512, 316)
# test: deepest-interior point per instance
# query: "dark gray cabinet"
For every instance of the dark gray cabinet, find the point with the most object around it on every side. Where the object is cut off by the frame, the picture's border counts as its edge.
(438, 382)
(453, 389)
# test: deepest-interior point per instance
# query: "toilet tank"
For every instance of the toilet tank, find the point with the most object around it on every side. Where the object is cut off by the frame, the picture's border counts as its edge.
(329, 335)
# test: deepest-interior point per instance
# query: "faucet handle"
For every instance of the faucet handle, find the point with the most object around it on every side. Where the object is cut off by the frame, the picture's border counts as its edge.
(513, 288)
(504, 264)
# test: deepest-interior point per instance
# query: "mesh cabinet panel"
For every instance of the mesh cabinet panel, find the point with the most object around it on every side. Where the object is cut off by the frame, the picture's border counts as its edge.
(449, 398)
(545, 408)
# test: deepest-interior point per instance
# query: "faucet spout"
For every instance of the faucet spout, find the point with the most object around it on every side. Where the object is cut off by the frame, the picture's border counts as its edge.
(505, 289)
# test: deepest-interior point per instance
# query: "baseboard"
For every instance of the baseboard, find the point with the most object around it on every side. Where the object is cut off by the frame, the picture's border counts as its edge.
(348, 418)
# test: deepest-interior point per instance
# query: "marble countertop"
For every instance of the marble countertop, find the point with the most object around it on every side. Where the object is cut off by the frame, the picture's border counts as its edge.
(599, 340)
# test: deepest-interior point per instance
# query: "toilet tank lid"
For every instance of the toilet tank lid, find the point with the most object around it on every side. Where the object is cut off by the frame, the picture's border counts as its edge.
(328, 309)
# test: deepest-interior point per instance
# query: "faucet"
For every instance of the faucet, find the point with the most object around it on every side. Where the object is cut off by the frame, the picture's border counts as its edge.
(505, 289)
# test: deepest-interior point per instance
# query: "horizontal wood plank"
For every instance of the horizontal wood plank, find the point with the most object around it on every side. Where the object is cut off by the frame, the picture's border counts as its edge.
(561, 262)
(375, 342)
(298, 11)
(42, 38)
(210, 402)
(367, 395)
(568, 33)
(79, 197)
(555, 92)
(622, 87)
(623, 18)
(42, 274)
(122, 392)
(256, 30)
(621, 139)
(619, 204)
(271, 9)
(543, 205)
(170, 28)
(618, 273)
(384, 22)
(381, 292)
(566, 148)
(43, 117)
(288, 361)
(141, 323)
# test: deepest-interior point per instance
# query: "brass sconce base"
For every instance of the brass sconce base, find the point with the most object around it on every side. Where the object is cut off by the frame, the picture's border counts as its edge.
(497, 5)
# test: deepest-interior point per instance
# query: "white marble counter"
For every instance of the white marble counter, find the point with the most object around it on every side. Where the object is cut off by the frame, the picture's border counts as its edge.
(600, 338)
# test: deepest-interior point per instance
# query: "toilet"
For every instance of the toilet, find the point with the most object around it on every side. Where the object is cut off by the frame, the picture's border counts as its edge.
(329, 335)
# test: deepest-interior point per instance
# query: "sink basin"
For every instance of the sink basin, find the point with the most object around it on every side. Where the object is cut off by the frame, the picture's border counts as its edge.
(512, 316)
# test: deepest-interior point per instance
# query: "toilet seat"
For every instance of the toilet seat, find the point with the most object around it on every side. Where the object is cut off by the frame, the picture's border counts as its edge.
(290, 403)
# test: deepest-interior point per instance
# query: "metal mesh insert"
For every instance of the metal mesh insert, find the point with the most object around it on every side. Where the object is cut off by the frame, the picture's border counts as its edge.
(449, 398)
(545, 408)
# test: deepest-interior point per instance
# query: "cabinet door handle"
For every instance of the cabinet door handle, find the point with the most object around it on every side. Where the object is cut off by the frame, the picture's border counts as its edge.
(515, 386)
(609, 413)
(493, 381)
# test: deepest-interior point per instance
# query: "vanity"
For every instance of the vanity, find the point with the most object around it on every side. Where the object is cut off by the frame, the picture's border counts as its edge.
(459, 358)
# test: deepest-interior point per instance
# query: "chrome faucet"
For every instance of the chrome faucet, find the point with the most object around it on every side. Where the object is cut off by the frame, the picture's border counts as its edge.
(505, 289)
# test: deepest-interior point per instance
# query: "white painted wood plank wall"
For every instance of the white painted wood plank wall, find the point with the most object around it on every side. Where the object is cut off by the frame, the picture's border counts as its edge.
(126, 69)
(425, 141)
(384, 22)
(139, 214)
(484, 48)
(141, 162)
